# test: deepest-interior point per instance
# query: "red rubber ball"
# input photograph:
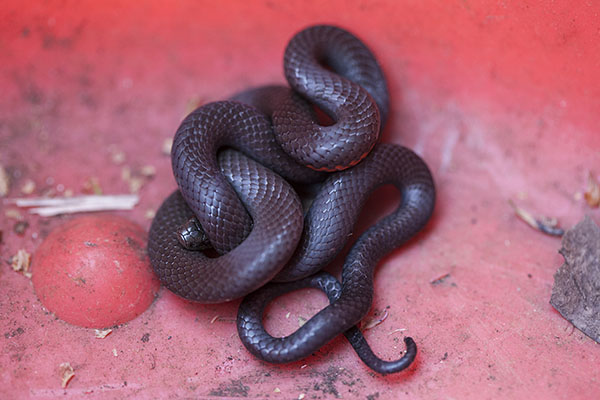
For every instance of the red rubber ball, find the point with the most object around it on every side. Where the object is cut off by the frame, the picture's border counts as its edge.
(94, 271)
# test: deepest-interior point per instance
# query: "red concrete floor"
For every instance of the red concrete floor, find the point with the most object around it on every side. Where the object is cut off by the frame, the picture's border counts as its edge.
(500, 98)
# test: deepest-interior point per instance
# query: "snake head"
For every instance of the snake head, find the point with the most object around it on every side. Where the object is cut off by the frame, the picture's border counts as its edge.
(191, 236)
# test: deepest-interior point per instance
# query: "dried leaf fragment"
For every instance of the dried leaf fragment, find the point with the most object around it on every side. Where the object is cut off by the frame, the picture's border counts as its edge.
(14, 214)
(592, 192)
(92, 185)
(4, 182)
(150, 214)
(101, 334)
(193, 103)
(166, 147)
(20, 262)
(148, 171)
(66, 374)
(135, 184)
(117, 156)
(126, 173)
(137, 178)
(576, 283)
(28, 187)
(543, 224)
(373, 322)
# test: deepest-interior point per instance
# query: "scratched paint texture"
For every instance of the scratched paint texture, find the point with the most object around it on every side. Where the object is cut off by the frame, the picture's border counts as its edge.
(500, 97)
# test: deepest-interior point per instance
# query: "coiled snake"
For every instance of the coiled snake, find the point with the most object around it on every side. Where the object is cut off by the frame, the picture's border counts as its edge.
(232, 161)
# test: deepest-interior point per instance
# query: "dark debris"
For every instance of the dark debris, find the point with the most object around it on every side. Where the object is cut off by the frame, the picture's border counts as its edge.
(576, 290)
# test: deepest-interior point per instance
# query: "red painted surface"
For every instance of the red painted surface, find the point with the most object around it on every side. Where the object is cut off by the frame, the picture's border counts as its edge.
(94, 272)
(500, 98)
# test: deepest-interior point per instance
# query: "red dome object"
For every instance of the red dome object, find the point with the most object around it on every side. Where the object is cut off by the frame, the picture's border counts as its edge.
(94, 272)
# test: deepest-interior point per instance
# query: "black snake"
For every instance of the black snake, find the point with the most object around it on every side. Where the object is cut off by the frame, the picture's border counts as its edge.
(230, 159)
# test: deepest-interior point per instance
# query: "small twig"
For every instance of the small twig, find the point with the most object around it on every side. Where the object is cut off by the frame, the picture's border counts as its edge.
(545, 225)
(440, 279)
(222, 319)
(48, 207)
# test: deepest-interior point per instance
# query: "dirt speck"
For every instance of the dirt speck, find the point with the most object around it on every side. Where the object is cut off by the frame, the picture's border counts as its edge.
(138, 247)
(20, 227)
(235, 388)
(16, 332)
(329, 380)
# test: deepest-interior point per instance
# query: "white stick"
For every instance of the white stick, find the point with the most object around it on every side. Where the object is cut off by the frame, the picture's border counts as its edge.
(48, 207)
